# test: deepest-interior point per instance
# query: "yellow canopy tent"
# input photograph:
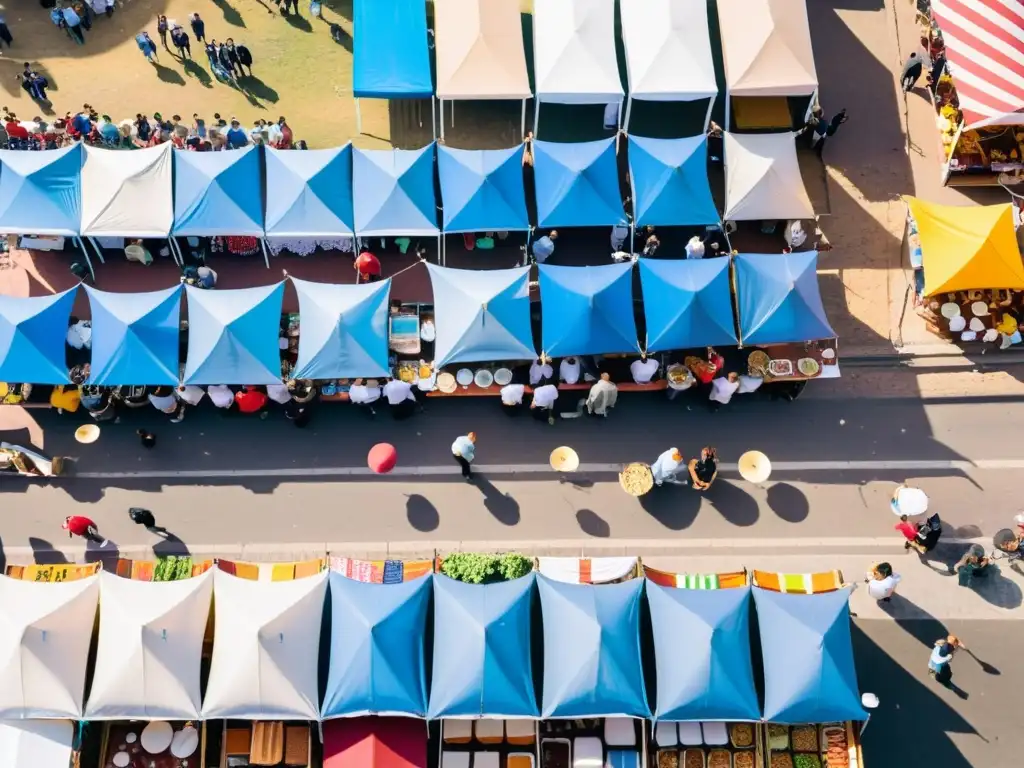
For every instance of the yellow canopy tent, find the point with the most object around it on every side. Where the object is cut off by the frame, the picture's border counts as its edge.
(967, 247)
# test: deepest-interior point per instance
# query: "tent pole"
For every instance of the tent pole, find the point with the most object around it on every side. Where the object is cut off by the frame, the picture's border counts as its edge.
(707, 120)
(522, 121)
(629, 109)
(359, 118)
(536, 115)
(266, 254)
(174, 251)
(440, 247)
(453, 113)
(99, 251)
(419, 112)
(728, 110)
(88, 261)
(433, 117)
(441, 112)
(620, 113)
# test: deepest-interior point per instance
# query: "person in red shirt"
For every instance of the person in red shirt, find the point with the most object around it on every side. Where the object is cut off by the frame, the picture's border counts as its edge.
(15, 130)
(251, 400)
(909, 531)
(367, 268)
(707, 372)
(79, 525)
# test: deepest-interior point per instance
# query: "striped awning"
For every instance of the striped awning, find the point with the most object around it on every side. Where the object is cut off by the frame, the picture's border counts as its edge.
(985, 54)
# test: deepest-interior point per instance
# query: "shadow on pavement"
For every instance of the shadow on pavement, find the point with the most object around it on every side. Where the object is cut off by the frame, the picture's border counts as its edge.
(735, 505)
(44, 553)
(502, 506)
(421, 513)
(788, 502)
(593, 524)
(674, 506)
(170, 545)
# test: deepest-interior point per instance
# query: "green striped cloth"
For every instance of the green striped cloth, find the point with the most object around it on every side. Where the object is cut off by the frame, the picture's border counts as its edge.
(697, 580)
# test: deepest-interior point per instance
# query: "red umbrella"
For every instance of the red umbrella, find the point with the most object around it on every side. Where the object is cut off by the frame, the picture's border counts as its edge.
(382, 458)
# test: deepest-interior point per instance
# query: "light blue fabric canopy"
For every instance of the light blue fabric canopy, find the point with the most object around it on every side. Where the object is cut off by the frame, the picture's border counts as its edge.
(309, 192)
(809, 673)
(481, 315)
(702, 654)
(344, 330)
(218, 193)
(378, 648)
(41, 192)
(233, 335)
(33, 338)
(482, 665)
(389, 57)
(135, 337)
(482, 189)
(592, 665)
(670, 182)
(778, 298)
(587, 310)
(687, 303)
(394, 192)
(577, 185)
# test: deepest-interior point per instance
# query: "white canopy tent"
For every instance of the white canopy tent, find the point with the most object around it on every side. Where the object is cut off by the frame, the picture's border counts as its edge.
(668, 52)
(574, 59)
(266, 648)
(36, 744)
(44, 647)
(150, 647)
(770, 53)
(479, 52)
(762, 178)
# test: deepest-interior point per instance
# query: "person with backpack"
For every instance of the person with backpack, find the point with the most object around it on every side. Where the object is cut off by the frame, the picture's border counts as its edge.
(928, 534)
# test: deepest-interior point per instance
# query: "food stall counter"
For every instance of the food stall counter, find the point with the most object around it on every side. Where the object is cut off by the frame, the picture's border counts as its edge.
(831, 745)
(158, 744)
(706, 745)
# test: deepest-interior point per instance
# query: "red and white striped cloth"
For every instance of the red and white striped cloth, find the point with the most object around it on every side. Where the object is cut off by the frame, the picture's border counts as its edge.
(985, 55)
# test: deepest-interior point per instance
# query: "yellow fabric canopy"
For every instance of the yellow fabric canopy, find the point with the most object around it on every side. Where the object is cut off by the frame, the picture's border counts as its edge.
(967, 247)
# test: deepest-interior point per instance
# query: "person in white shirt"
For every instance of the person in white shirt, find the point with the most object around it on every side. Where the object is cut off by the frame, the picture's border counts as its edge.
(695, 248)
(882, 582)
(540, 369)
(542, 406)
(401, 399)
(163, 399)
(279, 393)
(569, 370)
(544, 247)
(749, 384)
(722, 390)
(667, 467)
(643, 370)
(602, 397)
(364, 396)
(191, 394)
(512, 399)
(795, 235)
(221, 395)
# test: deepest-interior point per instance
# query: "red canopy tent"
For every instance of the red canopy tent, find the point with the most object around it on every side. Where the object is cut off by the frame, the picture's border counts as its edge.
(375, 742)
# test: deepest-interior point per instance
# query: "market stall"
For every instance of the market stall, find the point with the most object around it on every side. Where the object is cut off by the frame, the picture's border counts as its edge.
(668, 53)
(312, 199)
(381, 571)
(32, 338)
(594, 697)
(770, 78)
(588, 570)
(762, 179)
(669, 182)
(967, 268)
(377, 649)
(479, 53)
(233, 335)
(587, 310)
(577, 185)
(812, 705)
(979, 93)
(706, 710)
(687, 304)
(38, 744)
(136, 337)
(45, 637)
(574, 58)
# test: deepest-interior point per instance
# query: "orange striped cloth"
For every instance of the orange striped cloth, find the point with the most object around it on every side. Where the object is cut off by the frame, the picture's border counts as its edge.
(52, 573)
(277, 571)
(799, 583)
(382, 571)
(729, 580)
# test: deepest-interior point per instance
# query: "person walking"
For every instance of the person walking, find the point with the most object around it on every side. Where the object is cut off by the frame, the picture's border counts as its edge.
(5, 32)
(722, 390)
(74, 25)
(882, 582)
(198, 27)
(161, 29)
(146, 519)
(912, 69)
(232, 54)
(244, 57)
(180, 39)
(148, 439)
(939, 663)
(603, 396)
(224, 58)
(666, 468)
(464, 451)
(79, 525)
(147, 46)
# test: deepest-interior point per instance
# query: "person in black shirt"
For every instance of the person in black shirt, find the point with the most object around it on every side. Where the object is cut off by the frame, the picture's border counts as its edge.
(704, 470)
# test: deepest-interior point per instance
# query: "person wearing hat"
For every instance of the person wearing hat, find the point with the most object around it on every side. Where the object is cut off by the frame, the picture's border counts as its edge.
(667, 467)
(643, 370)
(545, 246)
(364, 396)
(367, 267)
(569, 370)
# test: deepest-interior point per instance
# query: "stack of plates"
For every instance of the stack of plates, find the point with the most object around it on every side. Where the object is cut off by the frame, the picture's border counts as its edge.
(483, 378)
(502, 376)
(446, 382)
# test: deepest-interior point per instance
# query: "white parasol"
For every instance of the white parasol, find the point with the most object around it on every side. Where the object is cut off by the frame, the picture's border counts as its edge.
(754, 467)
(909, 501)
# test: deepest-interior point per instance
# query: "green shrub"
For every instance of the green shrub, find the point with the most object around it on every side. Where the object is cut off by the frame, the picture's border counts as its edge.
(474, 568)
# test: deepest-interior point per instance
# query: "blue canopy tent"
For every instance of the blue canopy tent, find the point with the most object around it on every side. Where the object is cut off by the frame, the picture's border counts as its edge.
(778, 299)
(592, 665)
(577, 185)
(378, 648)
(135, 337)
(41, 193)
(809, 674)
(687, 303)
(669, 180)
(481, 315)
(218, 193)
(482, 189)
(482, 665)
(344, 330)
(233, 335)
(587, 310)
(390, 59)
(312, 192)
(702, 654)
(393, 192)
(33, 338)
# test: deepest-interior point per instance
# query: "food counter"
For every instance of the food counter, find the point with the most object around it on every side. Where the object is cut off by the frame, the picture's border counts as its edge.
(833, 745)
(795, 362)
(263, 743)
(706, 745)
(489, 743)
(967, 315)
(158, 744)
(613, 742)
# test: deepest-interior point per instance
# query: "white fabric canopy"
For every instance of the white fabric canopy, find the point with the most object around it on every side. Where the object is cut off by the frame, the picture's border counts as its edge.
(266, 648)
(668, 50)
(766, 47)
(45, 632)
(762, 178)
(479, 50)
(574, 58)
(150, 647)
(36, 744)
(127, 194)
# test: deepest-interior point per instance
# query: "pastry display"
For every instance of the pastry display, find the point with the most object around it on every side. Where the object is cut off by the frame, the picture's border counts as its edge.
(668, 758)
(719, 758)
(804, 738)
(693, 758)
(743, 760)
(742, 735)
